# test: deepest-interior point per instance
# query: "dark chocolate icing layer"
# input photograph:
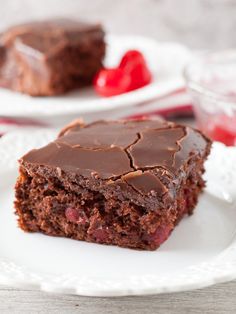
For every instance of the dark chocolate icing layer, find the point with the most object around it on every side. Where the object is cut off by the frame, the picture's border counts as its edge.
(128, 151)
(42, 38)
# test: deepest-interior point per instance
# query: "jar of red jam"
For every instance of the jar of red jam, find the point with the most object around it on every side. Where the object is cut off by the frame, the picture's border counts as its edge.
(211, 80)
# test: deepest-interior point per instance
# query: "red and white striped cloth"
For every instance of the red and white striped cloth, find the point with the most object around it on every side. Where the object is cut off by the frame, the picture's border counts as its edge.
(175, 104)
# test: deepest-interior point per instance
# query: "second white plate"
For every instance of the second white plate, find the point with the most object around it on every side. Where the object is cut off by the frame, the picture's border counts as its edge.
(166, 61)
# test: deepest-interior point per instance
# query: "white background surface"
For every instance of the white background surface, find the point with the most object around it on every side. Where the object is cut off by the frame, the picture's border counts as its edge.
(197, 23)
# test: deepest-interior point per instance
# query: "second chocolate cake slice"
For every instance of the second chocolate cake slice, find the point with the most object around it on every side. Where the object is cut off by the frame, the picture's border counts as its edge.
(121, 183)
(50, 57)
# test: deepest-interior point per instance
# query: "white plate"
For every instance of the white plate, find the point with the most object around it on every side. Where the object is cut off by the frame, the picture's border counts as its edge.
(200, 252)
(166, 61)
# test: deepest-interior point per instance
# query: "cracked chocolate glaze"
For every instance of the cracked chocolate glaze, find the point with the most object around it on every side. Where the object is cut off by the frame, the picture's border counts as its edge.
(145, 182)
(122, 149)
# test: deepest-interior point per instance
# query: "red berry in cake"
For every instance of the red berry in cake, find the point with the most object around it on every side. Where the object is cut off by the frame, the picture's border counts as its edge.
(160, 235)
(101, 235)
(111, 82)
(76, 216)
(72, 214)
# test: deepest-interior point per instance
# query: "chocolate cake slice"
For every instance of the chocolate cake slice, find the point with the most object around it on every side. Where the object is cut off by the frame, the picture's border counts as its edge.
(126, 183)
(50, 57)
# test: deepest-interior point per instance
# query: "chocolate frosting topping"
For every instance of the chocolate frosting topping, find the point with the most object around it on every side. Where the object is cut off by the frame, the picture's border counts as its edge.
(144, 182)
(124, 150)
(45, 37)
(157, 147)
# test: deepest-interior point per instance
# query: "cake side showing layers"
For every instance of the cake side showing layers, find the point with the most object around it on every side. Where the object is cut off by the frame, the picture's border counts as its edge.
(50, 57)
(122, 183)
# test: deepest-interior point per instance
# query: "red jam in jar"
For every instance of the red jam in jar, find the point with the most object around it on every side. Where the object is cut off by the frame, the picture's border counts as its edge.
(222, 128)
